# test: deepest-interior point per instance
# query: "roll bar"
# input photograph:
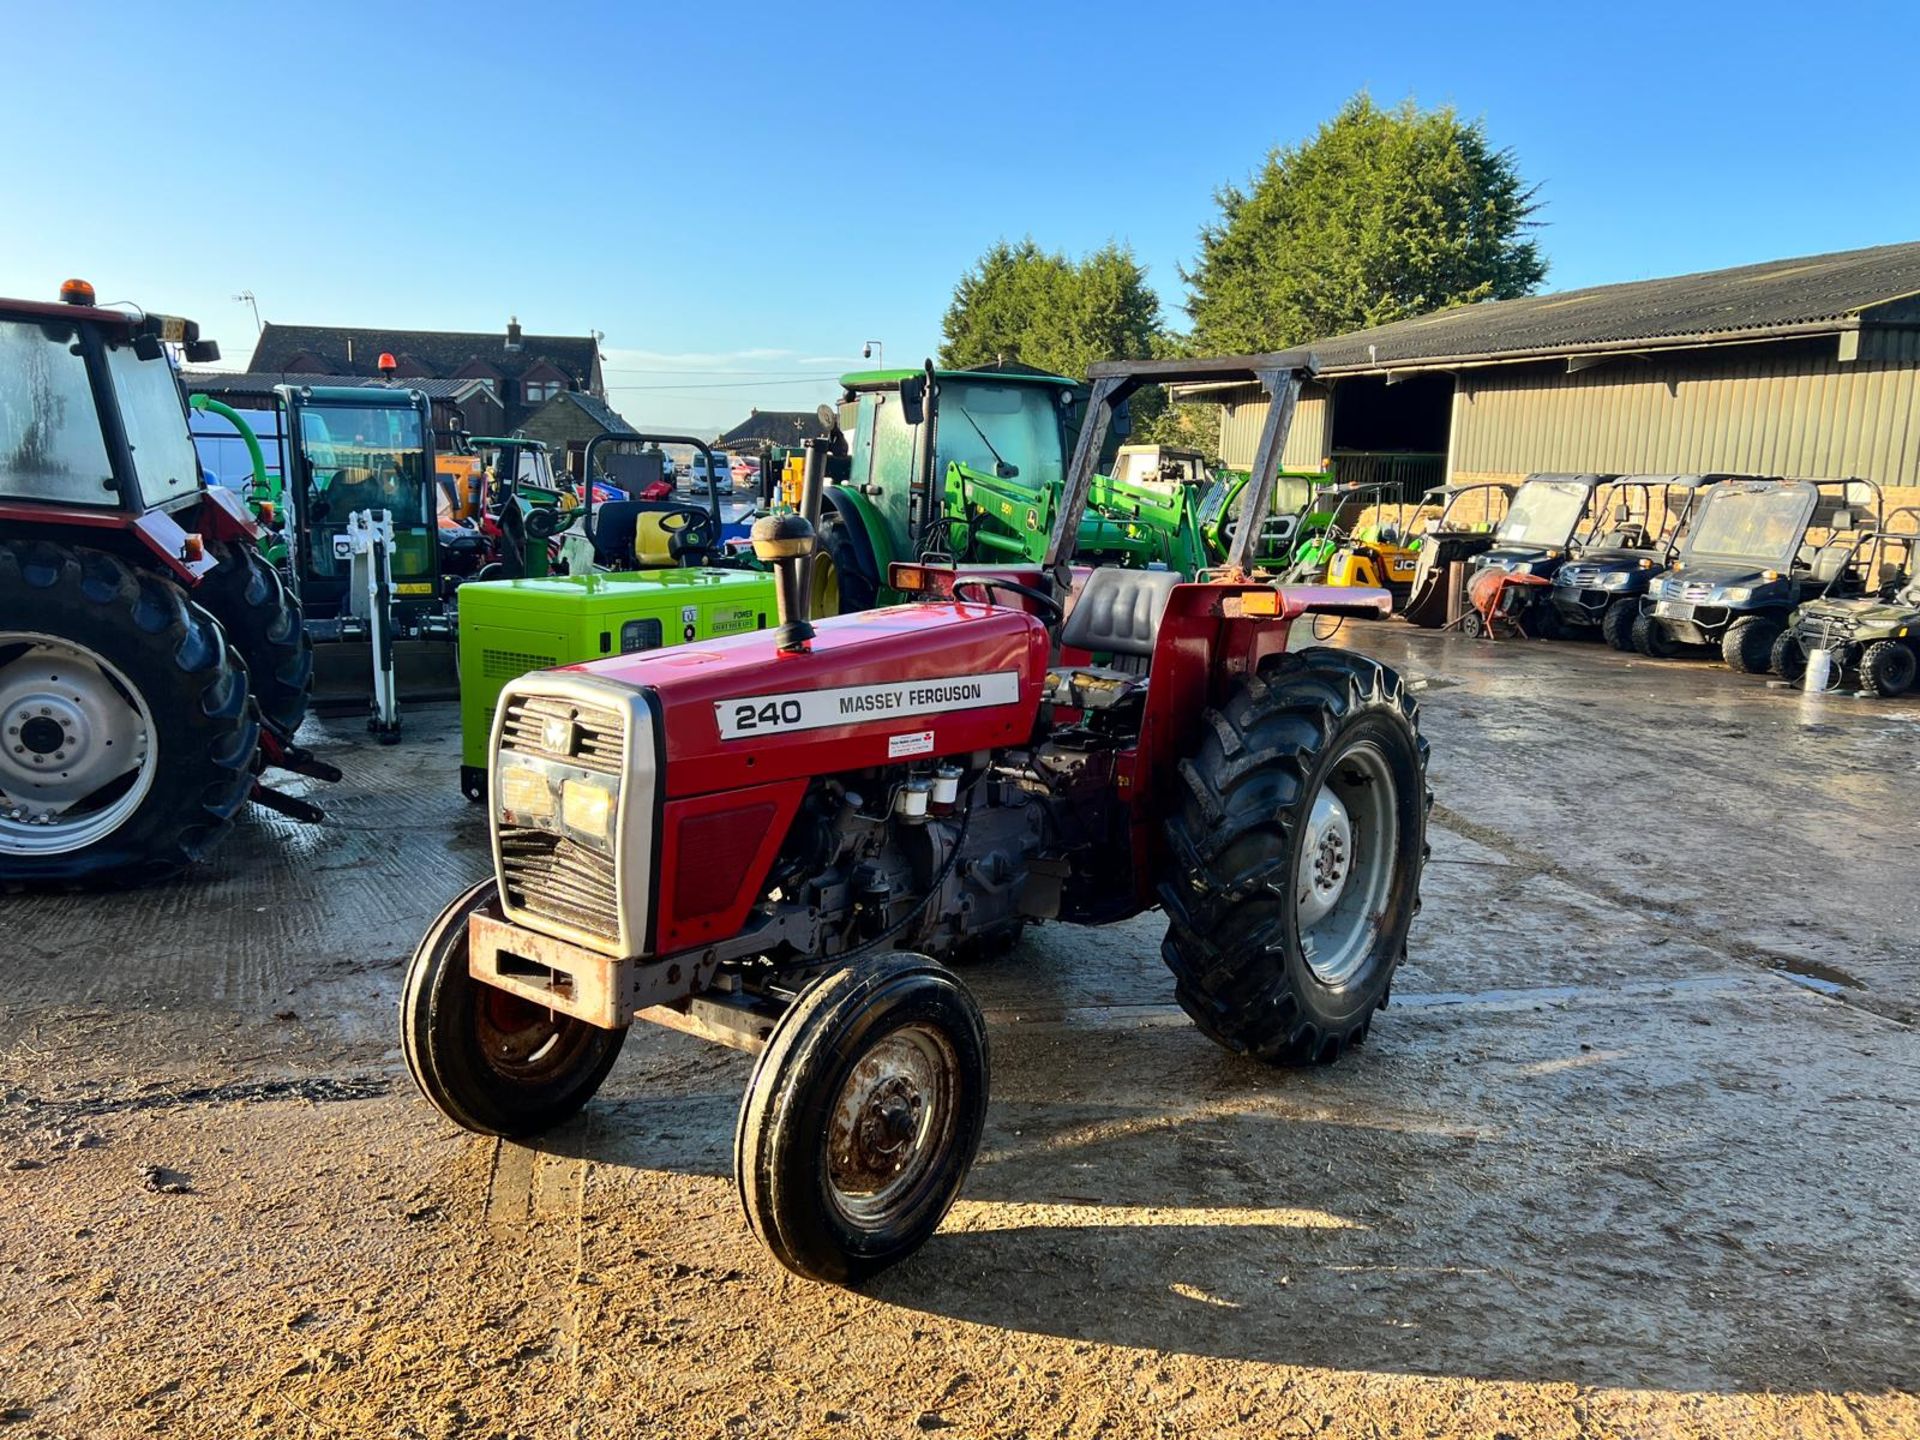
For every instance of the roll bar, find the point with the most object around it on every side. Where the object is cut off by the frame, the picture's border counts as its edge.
(637, 438)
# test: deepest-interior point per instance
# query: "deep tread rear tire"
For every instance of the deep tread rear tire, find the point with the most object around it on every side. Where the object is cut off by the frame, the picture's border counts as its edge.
(441, 1037)
(1651, 639)
(1789, 658)
(1616, 626)
(1747, 645)
(249, 599)
(1233, 940)
(781, 1142)
(1887, 668)
(194, 685)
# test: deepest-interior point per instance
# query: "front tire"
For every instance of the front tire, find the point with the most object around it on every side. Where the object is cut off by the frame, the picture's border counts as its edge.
(1297, 847)
(491, 1062)
(1887, 668)
(863, 1117)
(128, 739)
(1788, 659)
(1616, 626)
(1747, 646)
(1652, 639)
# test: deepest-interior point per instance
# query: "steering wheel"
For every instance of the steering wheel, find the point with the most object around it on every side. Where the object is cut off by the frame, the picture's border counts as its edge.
(691, 540)
(1053, 612)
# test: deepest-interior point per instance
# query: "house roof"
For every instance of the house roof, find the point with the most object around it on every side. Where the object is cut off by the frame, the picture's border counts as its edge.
(597, 410)
(224, 383)
(776, 427)
(441, 351)
(1808, 295)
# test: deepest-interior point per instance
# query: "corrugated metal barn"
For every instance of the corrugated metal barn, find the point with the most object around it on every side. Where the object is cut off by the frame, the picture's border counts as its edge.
(1796, 367)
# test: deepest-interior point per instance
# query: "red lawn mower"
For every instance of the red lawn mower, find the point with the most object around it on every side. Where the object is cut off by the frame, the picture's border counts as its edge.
(775, 841)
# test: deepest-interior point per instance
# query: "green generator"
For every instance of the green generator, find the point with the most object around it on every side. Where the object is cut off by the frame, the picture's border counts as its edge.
(508, 627)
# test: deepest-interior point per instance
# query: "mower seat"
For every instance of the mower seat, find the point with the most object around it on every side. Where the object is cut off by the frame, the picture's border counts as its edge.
(614, 523)
(650, 540)
(1117, 613)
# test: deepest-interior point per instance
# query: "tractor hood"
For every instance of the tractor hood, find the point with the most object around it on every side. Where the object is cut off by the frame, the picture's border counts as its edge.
(875, 688)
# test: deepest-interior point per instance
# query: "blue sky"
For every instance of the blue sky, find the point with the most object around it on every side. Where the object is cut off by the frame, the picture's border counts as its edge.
(739, 196)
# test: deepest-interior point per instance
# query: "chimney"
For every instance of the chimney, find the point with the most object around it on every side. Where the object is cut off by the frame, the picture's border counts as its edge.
(513, 333)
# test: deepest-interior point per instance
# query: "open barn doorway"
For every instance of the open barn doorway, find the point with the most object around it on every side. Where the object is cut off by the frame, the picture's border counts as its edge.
(1392, 431)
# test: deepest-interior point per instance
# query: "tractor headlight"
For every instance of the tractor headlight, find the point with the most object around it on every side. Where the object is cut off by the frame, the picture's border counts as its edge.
(525, 793)
(587, 809)
(1737, 594)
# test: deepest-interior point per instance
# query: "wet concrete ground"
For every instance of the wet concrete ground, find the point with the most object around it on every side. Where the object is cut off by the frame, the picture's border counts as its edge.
(1631, 1153)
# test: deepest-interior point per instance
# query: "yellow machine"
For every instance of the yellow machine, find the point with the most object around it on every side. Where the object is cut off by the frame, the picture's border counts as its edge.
(1378, 556)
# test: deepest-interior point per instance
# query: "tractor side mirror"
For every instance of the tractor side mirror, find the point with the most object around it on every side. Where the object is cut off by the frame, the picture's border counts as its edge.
(913, 400)
(148, 347)
(202, 352)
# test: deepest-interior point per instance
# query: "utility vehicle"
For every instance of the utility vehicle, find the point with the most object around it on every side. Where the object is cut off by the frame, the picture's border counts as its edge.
(1874, 637)
(1463, 529)
(772, 840)
(1746, 562)
(1605, 576)
(151, 661)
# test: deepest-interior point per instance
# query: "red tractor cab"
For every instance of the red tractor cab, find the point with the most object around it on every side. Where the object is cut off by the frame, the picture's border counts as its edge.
(150, 660)
(776, 841)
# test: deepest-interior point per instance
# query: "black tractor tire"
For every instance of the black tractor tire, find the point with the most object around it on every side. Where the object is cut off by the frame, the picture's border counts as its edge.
(249, 599)
(173, 657)
(491, 1062)
(1887, 668)
(1237, 840)
(1788, 659)
(1651, 639)
(1747, 645)
(836, 545)
(807, 1137)
(1616, 626)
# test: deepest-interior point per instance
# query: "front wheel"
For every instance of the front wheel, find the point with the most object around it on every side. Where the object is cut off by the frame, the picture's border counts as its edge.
(1616, 626)
(1297, 847)
(1789, 658)
(863, 1117)
(1653, 639)
(1747, 645)
(1887, 667)
(489, 1061)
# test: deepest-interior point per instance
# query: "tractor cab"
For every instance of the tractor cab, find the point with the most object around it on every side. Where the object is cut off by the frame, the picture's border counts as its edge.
(1223, 506)
(1636, 531)
(1535, 534)
(1754, 550)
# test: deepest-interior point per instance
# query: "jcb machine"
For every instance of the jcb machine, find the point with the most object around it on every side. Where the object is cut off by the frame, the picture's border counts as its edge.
(151, 661)
(774, 840)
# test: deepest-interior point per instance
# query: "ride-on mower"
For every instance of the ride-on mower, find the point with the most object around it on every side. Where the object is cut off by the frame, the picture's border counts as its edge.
(151, 662)
(773, 840)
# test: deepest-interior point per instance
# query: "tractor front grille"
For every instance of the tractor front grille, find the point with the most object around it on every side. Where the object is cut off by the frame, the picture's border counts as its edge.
(551, 877)
(593, 738)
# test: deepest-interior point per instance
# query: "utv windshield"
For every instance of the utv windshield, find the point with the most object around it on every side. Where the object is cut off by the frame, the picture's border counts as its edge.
(1544, 512)
(50, 442)
(1761, 523)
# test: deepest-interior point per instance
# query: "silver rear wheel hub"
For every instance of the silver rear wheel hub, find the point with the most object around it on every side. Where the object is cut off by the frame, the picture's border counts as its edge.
(1344, 876)
(71, 726)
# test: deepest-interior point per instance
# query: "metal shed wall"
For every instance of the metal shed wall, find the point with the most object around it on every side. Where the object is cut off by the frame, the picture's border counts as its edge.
(1784, 409)
(1306, 442)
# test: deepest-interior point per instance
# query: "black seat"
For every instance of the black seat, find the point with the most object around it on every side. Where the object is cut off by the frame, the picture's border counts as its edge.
(614, 524)
(1117, 614)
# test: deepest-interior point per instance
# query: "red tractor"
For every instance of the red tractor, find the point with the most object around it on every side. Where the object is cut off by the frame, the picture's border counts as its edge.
(151, 662)
(774, 840)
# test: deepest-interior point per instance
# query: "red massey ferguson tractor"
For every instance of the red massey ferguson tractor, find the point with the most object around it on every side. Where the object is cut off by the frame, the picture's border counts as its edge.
(151, 663)
(774, 840)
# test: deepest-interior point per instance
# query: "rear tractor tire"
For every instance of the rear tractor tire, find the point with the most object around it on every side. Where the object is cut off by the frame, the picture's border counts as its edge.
(1298, 845)
(863, 1117)
(843, 582)
(246, 595)
(1616, 626)
(1652, 639)
(1788, 659)
(1747, 645)
(126, 737)
(1887, 668)
(491, 1062)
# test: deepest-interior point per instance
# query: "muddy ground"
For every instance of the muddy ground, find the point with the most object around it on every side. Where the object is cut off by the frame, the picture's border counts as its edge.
(1633, 1152)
